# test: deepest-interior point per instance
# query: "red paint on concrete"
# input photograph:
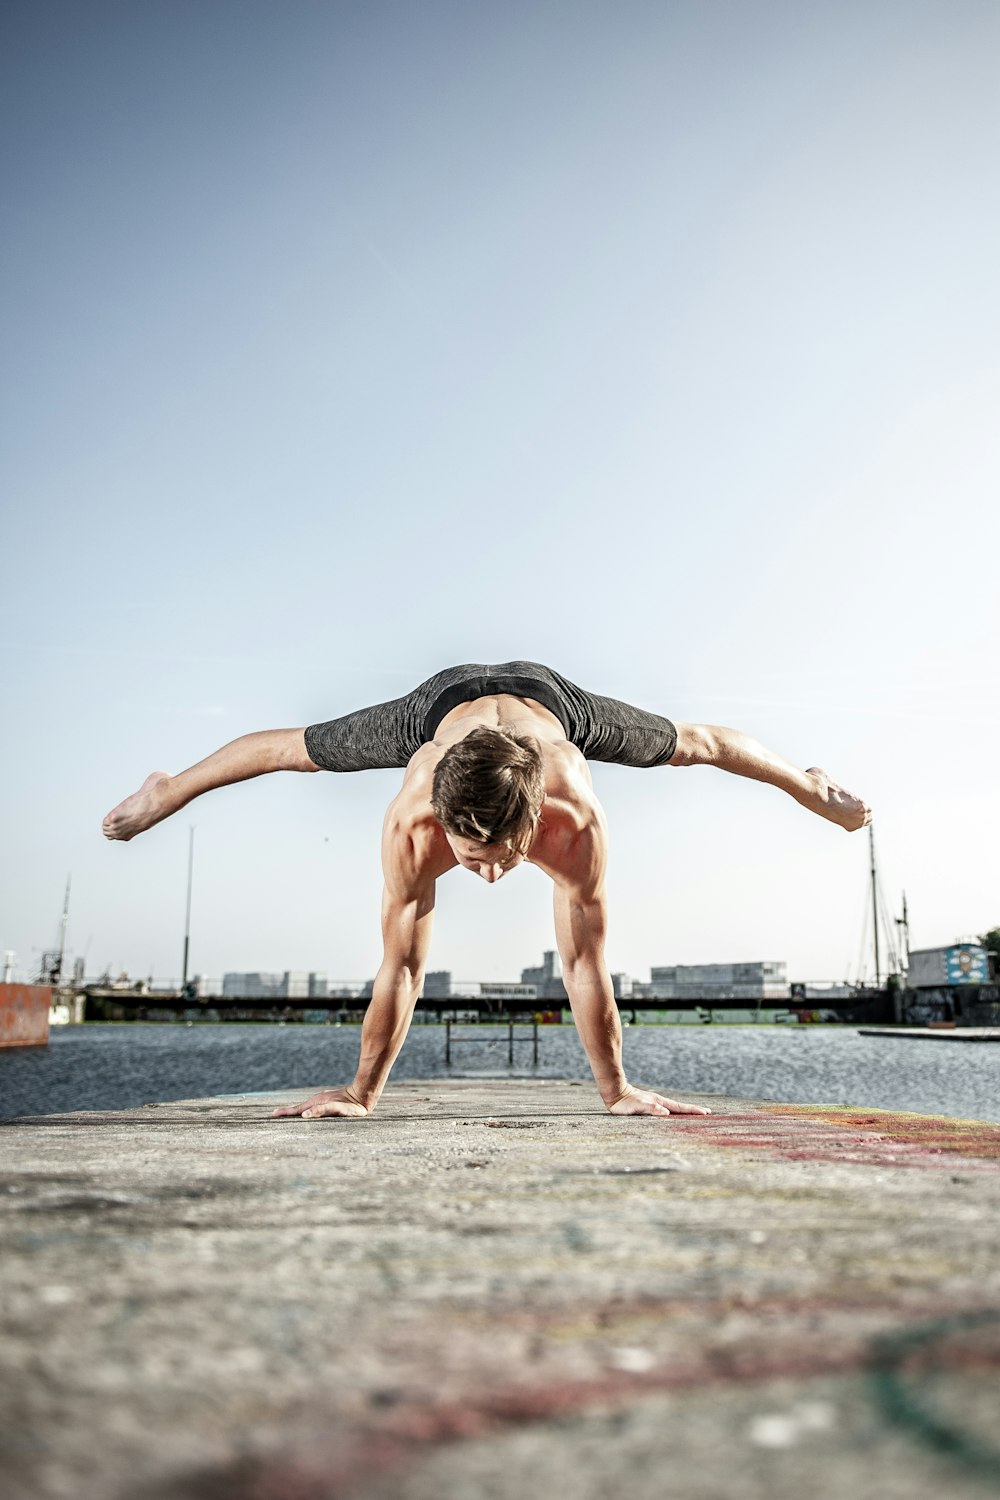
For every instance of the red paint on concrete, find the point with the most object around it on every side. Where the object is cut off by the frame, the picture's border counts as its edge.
(24, 1014)
(927, 1133)
(869, 1137)
(386, 1445)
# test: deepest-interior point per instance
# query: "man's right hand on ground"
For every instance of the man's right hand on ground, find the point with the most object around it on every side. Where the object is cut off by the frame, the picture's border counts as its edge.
(328, 1102)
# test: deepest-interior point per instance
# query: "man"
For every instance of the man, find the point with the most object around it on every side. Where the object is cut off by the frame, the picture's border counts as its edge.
(496, 773)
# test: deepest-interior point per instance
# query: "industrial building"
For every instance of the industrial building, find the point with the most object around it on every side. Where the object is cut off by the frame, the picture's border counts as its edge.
(767, 980)
(292, 984)
(547, 979)
(961, 963)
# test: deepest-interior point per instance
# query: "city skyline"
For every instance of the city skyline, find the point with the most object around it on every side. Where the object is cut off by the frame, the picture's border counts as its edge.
(892, 944)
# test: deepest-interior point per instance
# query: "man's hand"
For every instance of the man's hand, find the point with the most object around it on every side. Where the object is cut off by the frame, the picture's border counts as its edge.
(338, 1102)
(644, 1102)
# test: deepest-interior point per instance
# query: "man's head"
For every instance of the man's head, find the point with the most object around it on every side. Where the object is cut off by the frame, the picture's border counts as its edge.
(487, 796)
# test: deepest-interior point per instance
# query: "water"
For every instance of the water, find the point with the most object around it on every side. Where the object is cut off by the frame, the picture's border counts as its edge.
(120, 1067)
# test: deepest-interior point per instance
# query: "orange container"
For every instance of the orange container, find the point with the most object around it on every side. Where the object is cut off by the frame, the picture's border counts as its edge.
(24, 1015)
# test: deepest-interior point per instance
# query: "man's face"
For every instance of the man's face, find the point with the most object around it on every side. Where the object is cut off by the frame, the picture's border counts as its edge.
(491, 861)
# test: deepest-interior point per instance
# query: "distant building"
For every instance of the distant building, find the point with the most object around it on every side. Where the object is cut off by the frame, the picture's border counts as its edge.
(819, 991)
(253, 985)
(437, 985)
(745, 981)
(624, 986)
(547, 980)
(962, 963)
(293, 984)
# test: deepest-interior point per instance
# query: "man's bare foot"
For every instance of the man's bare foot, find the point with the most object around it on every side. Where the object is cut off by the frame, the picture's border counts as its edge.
(140, 811)
(833, 802)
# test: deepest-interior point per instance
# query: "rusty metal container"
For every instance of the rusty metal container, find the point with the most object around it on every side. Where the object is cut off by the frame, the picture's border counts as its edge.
(24, 1015)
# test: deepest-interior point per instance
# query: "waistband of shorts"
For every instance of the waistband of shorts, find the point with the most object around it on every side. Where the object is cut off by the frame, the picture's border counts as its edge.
(478, 684)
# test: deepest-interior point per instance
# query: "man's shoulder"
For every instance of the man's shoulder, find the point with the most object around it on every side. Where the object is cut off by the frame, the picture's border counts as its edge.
(571, 845)
(414, 849)
(569, 787)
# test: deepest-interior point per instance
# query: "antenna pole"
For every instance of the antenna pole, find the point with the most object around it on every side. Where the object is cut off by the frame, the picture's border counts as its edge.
(187, 916)
(62, 930)
(871, 845)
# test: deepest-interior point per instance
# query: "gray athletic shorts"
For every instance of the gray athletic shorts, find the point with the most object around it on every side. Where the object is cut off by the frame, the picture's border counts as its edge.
(389, 734)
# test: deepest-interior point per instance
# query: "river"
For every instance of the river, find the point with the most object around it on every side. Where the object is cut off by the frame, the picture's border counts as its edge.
(100, 1067)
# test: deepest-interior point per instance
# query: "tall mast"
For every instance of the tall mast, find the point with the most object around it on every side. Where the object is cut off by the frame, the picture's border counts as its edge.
(878, 967)
(187, 917)
(64, 923)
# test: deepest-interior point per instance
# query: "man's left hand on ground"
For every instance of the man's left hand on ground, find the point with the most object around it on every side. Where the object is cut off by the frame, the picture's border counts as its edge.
(328, 1102)
(645, 1102)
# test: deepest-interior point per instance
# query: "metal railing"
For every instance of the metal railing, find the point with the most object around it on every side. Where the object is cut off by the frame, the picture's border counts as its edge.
(450, 1040)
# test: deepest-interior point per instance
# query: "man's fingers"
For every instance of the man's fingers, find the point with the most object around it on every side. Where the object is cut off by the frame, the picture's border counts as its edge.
(326, 1102)
(321, 1111)
(344, 1111)
(675, 1108)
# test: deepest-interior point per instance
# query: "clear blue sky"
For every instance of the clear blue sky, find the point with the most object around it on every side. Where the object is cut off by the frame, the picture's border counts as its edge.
(345, 342)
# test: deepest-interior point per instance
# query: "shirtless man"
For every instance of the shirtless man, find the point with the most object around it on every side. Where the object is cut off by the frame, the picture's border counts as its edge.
(496, 773)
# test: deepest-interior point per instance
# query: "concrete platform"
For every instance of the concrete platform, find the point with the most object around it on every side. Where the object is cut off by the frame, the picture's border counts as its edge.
(495, 1289)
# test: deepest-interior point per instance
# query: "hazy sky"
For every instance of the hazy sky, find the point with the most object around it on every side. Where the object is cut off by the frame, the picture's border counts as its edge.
(343, 342)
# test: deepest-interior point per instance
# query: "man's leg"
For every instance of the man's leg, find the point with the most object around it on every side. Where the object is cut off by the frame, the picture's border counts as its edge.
(162, 794)
(729, 750)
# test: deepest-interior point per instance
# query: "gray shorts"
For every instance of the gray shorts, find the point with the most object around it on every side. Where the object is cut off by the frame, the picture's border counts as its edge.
(389, 734)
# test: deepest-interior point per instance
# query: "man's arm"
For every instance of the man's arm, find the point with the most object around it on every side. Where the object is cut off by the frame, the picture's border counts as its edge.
(581, 926)
(406, 933)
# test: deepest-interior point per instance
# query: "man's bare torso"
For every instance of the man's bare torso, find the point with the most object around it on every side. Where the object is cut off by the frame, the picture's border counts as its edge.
(571, 840)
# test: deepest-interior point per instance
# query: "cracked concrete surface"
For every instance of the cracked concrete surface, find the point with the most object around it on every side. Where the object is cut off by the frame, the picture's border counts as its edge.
(491, 1288)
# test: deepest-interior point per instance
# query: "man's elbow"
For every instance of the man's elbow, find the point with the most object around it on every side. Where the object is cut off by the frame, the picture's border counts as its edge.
(585, 973)
(401, 978)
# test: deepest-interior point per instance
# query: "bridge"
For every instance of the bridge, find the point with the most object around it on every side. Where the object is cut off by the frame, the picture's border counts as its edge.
(115, 1004)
